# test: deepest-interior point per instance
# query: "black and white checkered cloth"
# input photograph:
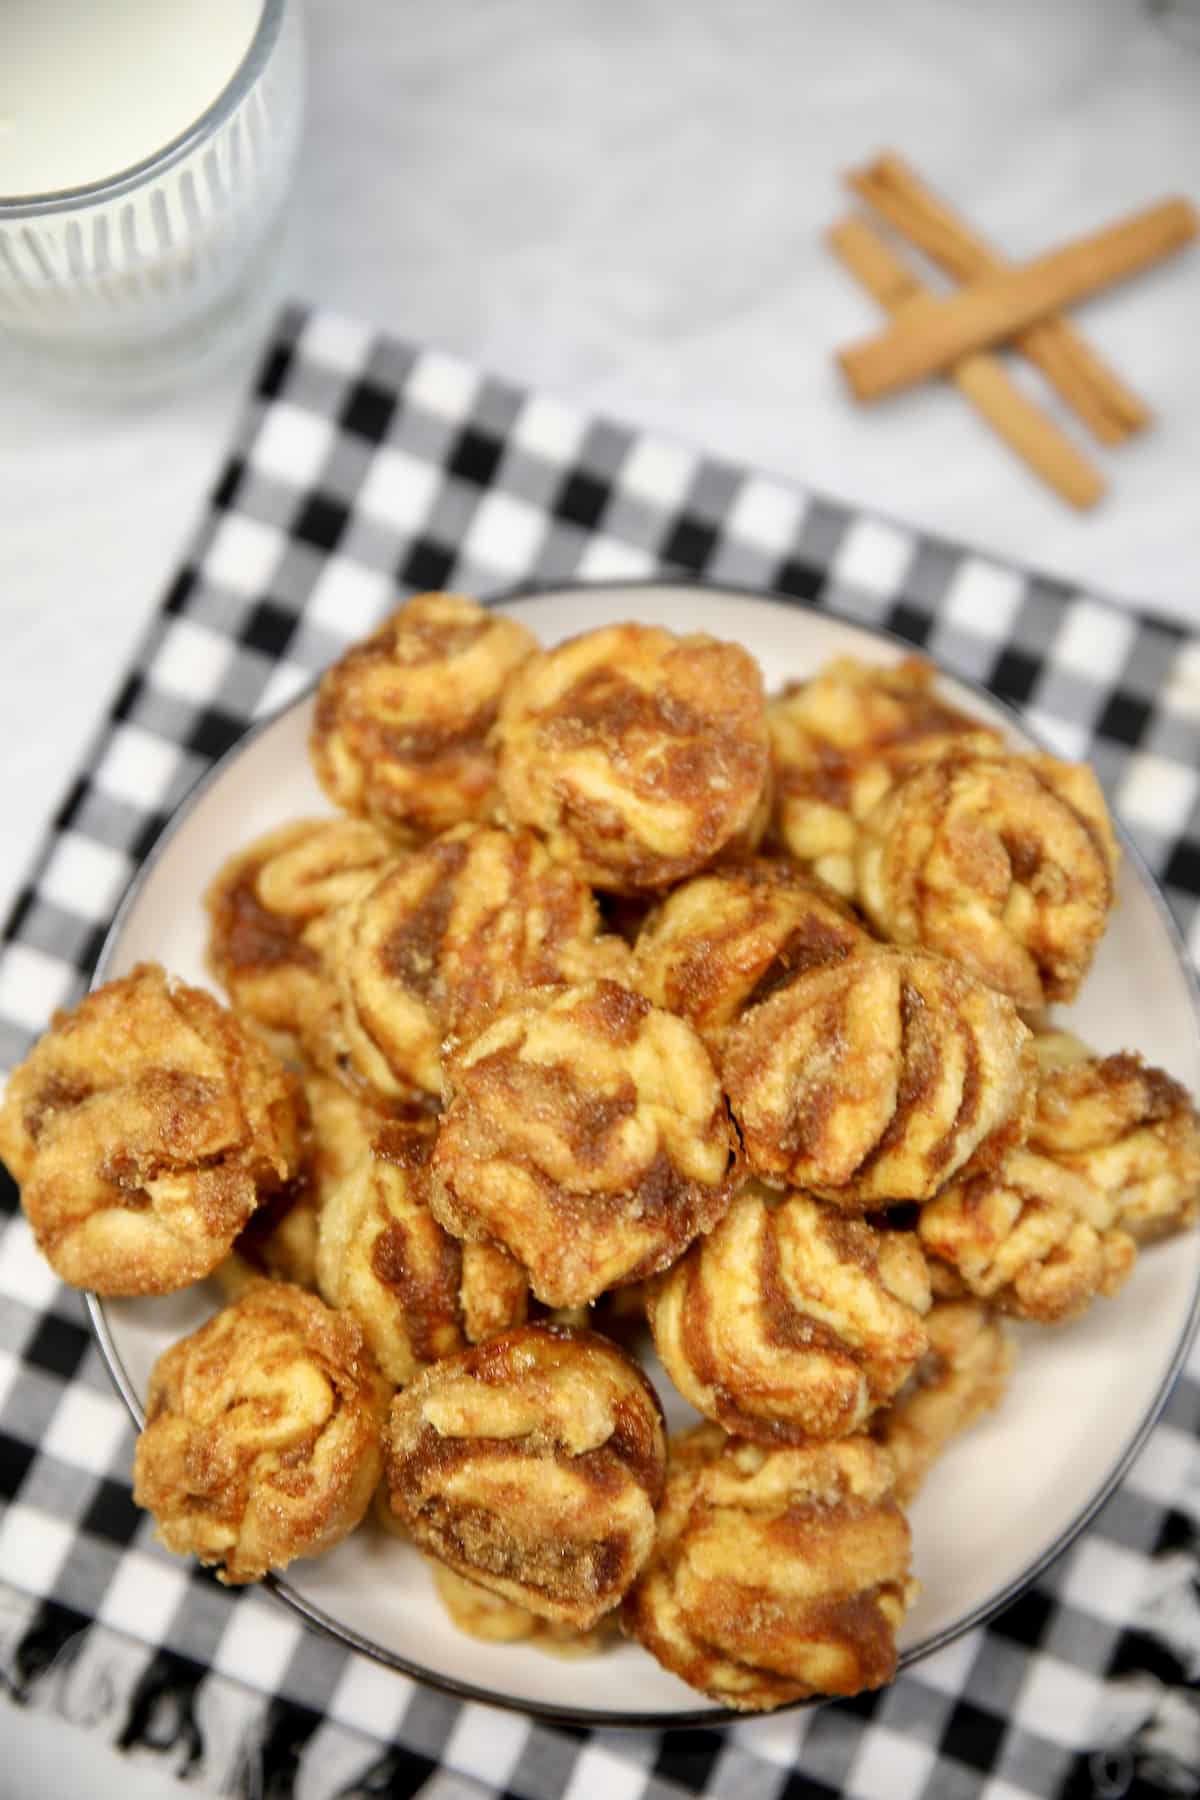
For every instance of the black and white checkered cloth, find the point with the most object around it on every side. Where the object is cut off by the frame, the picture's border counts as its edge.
(364, 466)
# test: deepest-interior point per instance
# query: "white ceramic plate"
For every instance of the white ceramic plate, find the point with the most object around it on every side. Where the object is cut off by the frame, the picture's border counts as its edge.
(1006, 1499)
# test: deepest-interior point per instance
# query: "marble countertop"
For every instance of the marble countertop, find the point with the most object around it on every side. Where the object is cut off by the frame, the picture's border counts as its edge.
(626, 204)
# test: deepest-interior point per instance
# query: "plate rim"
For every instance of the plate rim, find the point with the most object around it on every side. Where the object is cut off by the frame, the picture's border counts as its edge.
(707, 1716)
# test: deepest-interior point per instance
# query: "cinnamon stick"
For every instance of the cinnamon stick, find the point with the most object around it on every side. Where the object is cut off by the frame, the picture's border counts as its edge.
(981, 378)
(937, 332)
(1110, 409)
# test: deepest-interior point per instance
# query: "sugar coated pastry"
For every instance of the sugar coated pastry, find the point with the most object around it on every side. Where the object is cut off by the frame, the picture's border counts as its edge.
(640, 755)
(963, 1374)
(429, 950)
(402, 724)
(790, 1321)
(1029, 1236)
(877, 1078)
(487, 1616)
(726, 939)
(263, 1433)
(1129, 1128)
(144, 1128)
(417, 1292)
(269, 916)
(1006, 863)
(778, 1573)
(587, 1133)
(839, 741)
(532, 1464)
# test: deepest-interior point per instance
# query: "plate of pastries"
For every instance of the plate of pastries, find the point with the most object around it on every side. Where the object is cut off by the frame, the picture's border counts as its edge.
(633, 1154)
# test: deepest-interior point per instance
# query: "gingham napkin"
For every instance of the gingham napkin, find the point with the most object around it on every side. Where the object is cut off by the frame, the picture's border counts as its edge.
(364, 467)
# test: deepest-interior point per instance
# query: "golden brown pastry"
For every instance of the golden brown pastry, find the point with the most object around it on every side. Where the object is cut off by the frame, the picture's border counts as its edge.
(963, 1374)
(417, 1293)
(587, 1133)
(725, 940)
(427, 953)
(1030, 1237)
(401, 733)
(1127, 1127)
(482, 1614)
(790, 1321)
(777, 1573)
(263, 1430)
(269, 914)
(1006, 863)
(532, 1464)
(877, 1078)
(839, 741)
(640, 755)
(144, 1128)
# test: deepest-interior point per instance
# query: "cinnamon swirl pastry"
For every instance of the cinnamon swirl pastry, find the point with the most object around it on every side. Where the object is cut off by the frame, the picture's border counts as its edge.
(402, 725)
(587, 1133)
(1006, 863)
(778, 1573)
(417, 1293)
(1128, 1128)
(270, 910)
(640, 755)
(790, 1321)
(487, 1616)
(532, 1465)
(725, 940)
(428, 952)
(1030, 1237)
(144, 1128)
(877, 1078)
(263, 1434)
(839, 741)
(963, 1374)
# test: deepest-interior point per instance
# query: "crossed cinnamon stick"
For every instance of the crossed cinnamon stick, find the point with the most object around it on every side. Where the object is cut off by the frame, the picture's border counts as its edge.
(998, 302)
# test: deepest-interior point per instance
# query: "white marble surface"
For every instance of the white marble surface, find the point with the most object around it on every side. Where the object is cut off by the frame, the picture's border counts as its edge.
(626, 203)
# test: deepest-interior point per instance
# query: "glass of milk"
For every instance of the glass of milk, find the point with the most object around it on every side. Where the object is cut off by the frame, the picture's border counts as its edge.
(146, 149)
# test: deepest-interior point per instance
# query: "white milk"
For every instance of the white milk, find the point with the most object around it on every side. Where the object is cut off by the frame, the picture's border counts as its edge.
(88, 88)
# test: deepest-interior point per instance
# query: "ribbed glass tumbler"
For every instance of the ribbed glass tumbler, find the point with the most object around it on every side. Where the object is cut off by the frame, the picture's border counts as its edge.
(132, 279)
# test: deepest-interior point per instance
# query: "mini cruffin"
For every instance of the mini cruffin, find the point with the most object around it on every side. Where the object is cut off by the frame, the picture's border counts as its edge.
(532, 1465)
(640, 755)
(790, 1321)
(839, 741)
(586, 1131)
(778, 1573)
(964, 1373)
(417, 1293)
(1006, 863)
(402, 728)
(144, 1129)
(877, 1078)
(263, 1435)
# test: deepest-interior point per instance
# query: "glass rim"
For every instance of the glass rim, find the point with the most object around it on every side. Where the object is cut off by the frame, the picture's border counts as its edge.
(202, 127)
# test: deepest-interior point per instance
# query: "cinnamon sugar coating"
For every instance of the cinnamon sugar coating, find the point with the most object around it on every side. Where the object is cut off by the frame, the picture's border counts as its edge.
(263, 1434)
(494, 1620)
(144, 1128)
(963, 1374)
(587, 1133)
(427, 953)
(640, 755)
(401, 733)
(790, 1321)
(270, 909)
(417, 1293)
(532, 1464)
(877, 1078)
(839, 741)
(1127, 1127)
(1030, 1237)
(725, 940)
(1006, 863)
(777, 1573)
